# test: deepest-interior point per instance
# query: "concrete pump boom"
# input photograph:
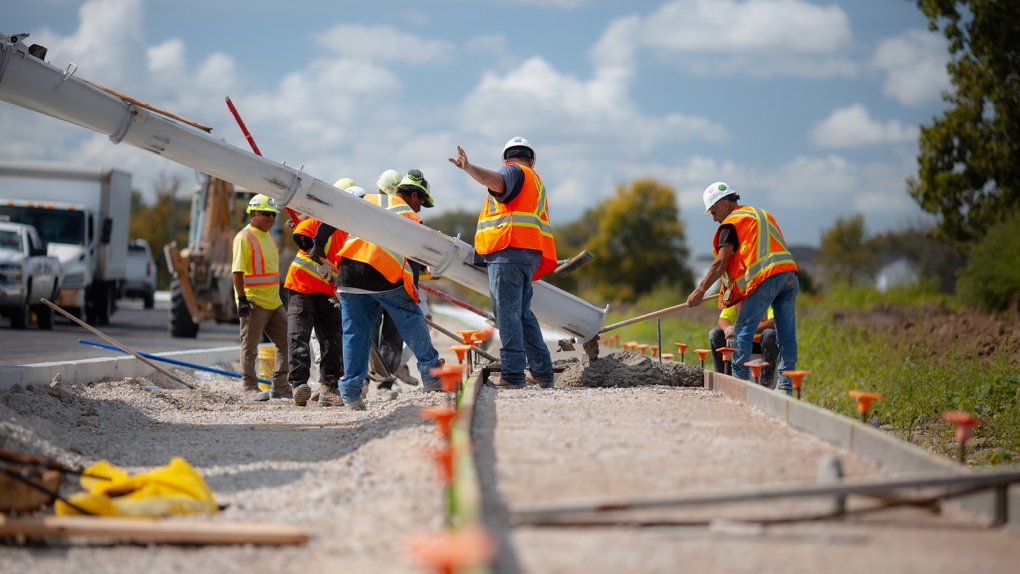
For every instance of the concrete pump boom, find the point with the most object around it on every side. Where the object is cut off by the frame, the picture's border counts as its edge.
(29, 82)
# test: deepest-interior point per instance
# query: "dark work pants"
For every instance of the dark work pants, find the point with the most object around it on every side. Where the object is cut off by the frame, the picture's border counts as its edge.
(305, 312)
(768, 348)
(390, 344)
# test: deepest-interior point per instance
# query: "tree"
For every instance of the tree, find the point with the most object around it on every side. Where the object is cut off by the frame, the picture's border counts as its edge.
(164, 221)
(639, 244)
(968, 173)
(844, 254)
(991, 278)
(453, 222)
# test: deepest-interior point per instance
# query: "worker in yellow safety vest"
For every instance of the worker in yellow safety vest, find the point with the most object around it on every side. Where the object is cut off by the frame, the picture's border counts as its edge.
(514, 241)
(312, 305)
(724, 335)
(757, 270)
(256, 276)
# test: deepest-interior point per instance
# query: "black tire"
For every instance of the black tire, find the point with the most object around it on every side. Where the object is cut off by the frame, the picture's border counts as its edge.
(44, 314)
(181, 325)
(104, 304)
(19, 317)
(149, 301)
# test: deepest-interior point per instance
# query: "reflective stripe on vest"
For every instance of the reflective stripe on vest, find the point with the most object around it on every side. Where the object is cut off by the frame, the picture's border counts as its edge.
(523, 223)
(393, 266)
(258, 277)
(761, 254)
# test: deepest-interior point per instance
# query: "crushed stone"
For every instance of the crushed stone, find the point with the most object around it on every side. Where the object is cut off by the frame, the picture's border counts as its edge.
(627, 369)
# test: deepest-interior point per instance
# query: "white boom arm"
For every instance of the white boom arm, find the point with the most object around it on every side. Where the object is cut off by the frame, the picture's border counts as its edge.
(31, 83)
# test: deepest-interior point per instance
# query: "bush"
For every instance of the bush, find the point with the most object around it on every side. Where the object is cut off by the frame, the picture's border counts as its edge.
(991, 278)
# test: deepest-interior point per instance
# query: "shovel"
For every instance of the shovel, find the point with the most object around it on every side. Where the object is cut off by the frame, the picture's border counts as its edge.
(591, 348)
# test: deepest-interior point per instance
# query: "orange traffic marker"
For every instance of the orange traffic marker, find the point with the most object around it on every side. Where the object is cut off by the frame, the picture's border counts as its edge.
(630, 345)
(461, 350)
(655, 350)
(667, 356)
(444, 462)
(680, 348)
(726, 353)
(442, 415)
(468, 335)
(756, 367)
(864, 401)
(965, 423)
(451, 549)
(797, 378)
(451, 376)
(702, 353)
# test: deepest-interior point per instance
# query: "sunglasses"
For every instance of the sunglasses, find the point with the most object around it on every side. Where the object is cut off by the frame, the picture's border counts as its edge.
(266, 213)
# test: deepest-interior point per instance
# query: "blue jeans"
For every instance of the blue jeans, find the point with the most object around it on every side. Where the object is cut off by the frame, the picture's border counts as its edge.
(360, 312)
(780, 291)
(519, 332)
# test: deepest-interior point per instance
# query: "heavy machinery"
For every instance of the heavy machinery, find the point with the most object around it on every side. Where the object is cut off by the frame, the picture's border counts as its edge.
(201, 287)
(28, 81)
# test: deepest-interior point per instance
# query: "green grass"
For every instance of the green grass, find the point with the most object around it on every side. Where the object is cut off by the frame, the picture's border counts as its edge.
(918, 385)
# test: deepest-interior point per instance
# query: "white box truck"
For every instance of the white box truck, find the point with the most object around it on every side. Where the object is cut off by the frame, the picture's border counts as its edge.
(83, 214)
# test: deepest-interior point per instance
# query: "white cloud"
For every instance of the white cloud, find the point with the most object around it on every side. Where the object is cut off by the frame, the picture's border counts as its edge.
(915, 67)
(758, 37)
(383, 44)
(853, 126)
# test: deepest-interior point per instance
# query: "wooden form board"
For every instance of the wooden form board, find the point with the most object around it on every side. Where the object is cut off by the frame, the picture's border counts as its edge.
(154, 530)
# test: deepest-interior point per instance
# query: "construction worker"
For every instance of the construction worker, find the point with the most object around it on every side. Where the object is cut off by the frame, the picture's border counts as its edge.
(313, 305)
(256, 275)
(385, 335)
(373, 278)
(514, 240)
(757, 270)
(724, 335)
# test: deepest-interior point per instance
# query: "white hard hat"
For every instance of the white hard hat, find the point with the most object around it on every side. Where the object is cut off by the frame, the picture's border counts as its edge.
(356, 191)
(343, 183)
(714, 193)
(518, 142)
(388, 181)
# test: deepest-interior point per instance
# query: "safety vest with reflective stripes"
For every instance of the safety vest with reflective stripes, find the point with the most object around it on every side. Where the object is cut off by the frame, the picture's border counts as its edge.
(761, 254)
(730, 314)
(522, 223)
(302, 275)
(393, 266)
(256, 256)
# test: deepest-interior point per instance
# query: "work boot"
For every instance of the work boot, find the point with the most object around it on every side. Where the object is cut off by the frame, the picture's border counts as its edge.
(329, 395)
(255, 395)
(281, 394)
(356, 405)
(502, 383)
(301, 395)
(404, 374)
(384, 394)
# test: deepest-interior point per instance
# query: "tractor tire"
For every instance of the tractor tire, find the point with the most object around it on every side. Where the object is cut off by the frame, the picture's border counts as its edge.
(181, 325)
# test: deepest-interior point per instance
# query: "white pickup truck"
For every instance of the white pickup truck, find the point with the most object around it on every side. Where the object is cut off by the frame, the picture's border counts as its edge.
(27, 275)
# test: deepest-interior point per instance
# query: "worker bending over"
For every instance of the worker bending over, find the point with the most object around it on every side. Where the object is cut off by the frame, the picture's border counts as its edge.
(724, 335)
(757, 270)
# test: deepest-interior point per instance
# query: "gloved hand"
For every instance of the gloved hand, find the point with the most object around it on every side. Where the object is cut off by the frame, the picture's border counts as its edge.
(318, 254)
(728, 331)
(244, 307)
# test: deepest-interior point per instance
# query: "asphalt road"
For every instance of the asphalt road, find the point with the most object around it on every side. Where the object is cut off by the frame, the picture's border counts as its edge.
(140, 329)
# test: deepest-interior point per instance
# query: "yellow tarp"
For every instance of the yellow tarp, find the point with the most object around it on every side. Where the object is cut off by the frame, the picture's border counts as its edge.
(173, 489)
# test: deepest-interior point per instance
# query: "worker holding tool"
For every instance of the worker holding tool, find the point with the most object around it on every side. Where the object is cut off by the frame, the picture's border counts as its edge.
(256, 275)
(725, 335)
(514, 240)
(758, 271)
(373, 278)
(312, 305)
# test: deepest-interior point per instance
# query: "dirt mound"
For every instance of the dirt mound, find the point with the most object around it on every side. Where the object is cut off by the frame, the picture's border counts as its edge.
(940, 328)
(627, 369)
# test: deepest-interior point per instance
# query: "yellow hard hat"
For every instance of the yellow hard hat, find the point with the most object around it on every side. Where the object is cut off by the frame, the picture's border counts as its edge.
(261, 202)
(344, 183)
(388, 181)
(416, 179)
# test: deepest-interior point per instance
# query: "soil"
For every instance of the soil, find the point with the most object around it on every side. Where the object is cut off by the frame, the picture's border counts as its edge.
(940, 328)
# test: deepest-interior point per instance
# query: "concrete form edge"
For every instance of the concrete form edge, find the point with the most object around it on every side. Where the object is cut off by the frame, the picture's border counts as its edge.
(881, 448)
(94, 370)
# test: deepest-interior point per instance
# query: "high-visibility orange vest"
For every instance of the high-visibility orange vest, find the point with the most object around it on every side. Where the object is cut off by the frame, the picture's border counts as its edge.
(393, 266)
(302, 275)
(523, 223)
(762, 253)
(261, 269)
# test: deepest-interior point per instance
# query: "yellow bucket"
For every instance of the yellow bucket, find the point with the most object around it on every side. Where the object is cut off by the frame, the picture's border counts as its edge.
(265, 364)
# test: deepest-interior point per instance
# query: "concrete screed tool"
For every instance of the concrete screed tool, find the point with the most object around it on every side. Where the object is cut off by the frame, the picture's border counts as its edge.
(591, 346)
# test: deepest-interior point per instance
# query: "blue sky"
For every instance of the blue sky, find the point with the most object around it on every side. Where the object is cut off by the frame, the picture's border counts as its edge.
(809, 109)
